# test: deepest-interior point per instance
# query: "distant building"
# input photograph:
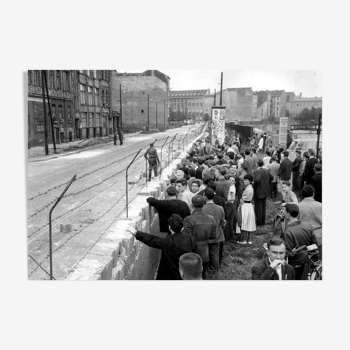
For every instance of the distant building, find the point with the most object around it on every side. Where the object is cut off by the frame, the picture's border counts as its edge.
(93, 115)
(189, 104)
(298, 103)
(241, 103)
(271, 104)
(135, 89)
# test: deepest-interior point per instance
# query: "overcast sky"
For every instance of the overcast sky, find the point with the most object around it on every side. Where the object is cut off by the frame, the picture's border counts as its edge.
(309, 82)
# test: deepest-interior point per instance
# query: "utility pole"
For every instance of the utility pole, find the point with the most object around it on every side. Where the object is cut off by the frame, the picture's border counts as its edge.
(214, 97)
(164, 114)
(156, 114)
(48, 101)
(45, 122)
(221, 89)
(121, 107)
(148, 114)
(318, 135)
(114, 132)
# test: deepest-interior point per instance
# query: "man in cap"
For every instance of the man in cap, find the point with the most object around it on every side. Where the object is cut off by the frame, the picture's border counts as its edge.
(297, 234)
(153, 160)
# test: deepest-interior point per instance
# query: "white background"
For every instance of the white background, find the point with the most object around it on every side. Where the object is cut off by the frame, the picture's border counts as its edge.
(199, 35)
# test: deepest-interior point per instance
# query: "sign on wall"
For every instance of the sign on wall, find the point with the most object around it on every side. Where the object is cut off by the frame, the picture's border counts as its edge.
(283, 132)
(218, 124)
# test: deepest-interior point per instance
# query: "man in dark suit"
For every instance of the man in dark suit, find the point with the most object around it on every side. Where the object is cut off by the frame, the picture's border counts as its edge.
(309, 171)
(166, 208)
(200, 168)
(173, 247)
(274, 267)
(216, 244)
(296, 165)
(261, 185)
(316, 182)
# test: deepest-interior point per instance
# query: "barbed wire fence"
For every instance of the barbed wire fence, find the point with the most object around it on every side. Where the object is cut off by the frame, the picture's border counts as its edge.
(137, 169)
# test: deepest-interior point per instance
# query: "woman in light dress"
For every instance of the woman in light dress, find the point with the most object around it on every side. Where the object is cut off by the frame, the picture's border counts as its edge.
(248, 216)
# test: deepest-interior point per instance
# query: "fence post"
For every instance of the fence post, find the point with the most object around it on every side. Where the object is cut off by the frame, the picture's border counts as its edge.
(127, 184)
(161, 156)
(50, 222)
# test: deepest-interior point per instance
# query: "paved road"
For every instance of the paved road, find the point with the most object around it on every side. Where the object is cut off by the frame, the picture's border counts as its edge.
(92, 203)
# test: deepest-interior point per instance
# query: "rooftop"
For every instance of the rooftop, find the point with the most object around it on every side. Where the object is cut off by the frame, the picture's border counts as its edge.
(188, 93)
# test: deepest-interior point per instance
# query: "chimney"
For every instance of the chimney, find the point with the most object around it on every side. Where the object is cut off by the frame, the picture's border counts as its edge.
(301, 94)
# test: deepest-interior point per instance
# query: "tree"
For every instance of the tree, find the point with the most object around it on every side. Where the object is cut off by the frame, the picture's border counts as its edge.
(206, 117)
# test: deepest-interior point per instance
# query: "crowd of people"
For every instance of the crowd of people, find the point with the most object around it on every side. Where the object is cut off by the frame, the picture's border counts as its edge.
(218, 194)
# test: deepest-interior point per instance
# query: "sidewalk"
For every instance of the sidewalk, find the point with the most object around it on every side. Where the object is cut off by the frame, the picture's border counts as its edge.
(37, 154)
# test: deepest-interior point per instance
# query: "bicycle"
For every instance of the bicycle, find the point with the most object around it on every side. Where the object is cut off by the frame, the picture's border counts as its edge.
(313, 264)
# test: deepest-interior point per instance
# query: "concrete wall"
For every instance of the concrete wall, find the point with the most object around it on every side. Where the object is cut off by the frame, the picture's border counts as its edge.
(118, 255)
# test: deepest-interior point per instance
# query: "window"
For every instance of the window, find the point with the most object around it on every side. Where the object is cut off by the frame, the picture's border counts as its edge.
(37, 77)
(60, 115)
(82, 94)
(51, 79)
(97, 120)
(58, 79)
(142, 111)
(67, 81)
(90, 95)
(40, 128)
(91, 116)
(69, 115)
(96, 96)
(83, 120)
(30, 77)
(94, 73)
(53, 111)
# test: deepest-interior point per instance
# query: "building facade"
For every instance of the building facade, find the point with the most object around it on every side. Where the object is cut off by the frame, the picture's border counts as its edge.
(272, 105)
(298, 103)
(189, 105)
(61, 92)
(80, 105)
(241, 104)
(93, 117)
(142, 98)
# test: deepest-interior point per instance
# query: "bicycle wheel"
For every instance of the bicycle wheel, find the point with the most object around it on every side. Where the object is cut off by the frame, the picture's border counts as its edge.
(317, 274)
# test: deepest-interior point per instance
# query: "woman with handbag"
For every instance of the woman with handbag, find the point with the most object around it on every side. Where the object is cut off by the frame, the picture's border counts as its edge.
(246, 215)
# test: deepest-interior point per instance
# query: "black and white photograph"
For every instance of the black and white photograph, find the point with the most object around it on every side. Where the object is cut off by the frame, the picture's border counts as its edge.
(174, 175)
(165, 166)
